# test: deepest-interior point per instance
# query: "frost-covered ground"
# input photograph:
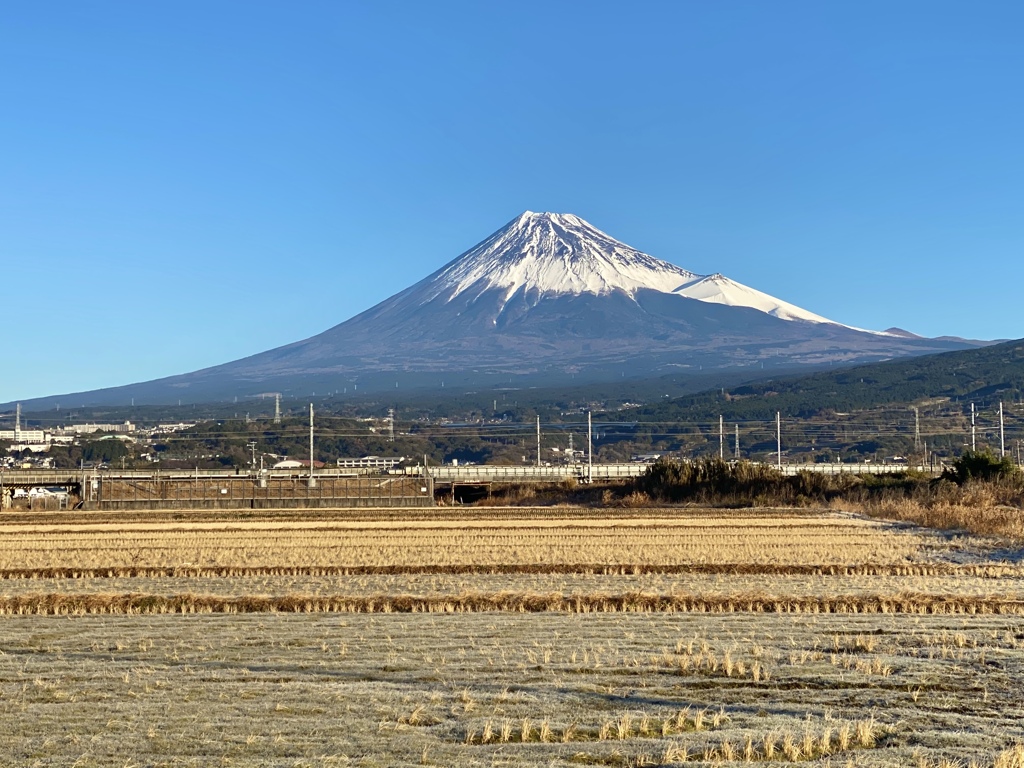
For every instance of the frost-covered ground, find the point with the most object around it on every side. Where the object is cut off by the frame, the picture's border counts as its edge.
(389, 690)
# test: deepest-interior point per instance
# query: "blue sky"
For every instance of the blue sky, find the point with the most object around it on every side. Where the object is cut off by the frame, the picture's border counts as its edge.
(182, 184)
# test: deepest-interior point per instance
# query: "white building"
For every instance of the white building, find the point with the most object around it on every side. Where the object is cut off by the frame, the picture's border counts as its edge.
(85, 429)
(24, 435)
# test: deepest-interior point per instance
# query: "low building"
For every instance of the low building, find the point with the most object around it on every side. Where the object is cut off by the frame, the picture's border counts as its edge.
(85, 429)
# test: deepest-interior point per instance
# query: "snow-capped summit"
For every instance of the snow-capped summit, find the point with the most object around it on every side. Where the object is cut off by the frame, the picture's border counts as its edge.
(554, 253)
(551, 254)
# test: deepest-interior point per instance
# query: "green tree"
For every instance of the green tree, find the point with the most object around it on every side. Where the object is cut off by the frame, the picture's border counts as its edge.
(979, 465)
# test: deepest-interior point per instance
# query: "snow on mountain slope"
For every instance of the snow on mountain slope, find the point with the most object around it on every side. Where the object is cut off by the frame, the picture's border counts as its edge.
(554, 253)
(558, 253)
(719, 289)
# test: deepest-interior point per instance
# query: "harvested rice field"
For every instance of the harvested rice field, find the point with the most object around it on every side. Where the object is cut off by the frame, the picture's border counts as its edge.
(671, 637)
(598, 540)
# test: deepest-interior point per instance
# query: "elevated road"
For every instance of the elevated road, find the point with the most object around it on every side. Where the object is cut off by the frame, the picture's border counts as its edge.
(27, 478)
(24, 478)
(488, 473)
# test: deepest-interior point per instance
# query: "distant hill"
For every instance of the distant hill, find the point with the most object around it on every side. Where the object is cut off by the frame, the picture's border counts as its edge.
(983, 376)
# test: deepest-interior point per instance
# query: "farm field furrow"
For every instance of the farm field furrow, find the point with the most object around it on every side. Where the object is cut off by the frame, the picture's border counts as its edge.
(442, 584)
(390, 514)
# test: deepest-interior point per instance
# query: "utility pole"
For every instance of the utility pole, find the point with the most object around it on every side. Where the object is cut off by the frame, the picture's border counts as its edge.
(737, 442)
(721, 437)
(538, 441)
(312, 480)
(1002, 433)
(17, 425)
(391, 425)
(778, 438)
(974, 444)
(277, 408)
(252, 449)
(590, 450)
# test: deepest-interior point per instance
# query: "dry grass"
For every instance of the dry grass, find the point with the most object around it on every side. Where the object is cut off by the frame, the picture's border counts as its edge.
(510, 689)
(976, 511)
(588, 542)
(971, 577)
(61, 604)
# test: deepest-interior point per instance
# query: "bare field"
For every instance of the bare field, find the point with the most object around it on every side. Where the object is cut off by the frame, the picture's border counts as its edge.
(585, 541)
(509, 689)
(1008, 584)
(664, 638)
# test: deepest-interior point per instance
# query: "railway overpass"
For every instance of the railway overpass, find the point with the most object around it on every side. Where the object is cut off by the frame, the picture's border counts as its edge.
(333, 486)
(582, 472)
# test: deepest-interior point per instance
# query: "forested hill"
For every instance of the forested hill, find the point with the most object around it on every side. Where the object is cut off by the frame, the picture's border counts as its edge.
(982, 376)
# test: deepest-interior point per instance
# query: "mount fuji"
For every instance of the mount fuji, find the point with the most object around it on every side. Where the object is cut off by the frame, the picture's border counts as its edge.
(546, 297)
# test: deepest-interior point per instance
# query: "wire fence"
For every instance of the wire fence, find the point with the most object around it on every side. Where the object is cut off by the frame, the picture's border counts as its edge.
(243, 492)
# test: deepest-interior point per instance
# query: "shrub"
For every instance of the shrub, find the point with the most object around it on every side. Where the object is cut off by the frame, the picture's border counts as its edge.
(708, 478)
(979, 465)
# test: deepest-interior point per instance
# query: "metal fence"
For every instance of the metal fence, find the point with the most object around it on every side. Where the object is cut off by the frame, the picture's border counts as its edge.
(259, 493)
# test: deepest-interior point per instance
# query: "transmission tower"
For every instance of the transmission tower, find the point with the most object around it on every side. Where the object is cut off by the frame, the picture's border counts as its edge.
(277, 408)
(391, 425)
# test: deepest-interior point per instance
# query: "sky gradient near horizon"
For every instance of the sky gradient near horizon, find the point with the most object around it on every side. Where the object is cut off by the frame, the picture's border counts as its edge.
(183, 184)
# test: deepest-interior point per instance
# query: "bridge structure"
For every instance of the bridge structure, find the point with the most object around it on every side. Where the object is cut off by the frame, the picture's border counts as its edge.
(402, 486)
(475, 481)
(583, 472)
(222, 489)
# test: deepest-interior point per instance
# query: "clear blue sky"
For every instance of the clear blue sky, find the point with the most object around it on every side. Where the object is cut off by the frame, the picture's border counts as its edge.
(186, 183)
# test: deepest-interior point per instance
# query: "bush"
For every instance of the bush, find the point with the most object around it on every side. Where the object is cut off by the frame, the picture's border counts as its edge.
(979, 465)
(706, 479)
(720, 483)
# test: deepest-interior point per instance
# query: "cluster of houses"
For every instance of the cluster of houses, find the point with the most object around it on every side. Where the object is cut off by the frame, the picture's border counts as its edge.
(35, 443)
(40, 440)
